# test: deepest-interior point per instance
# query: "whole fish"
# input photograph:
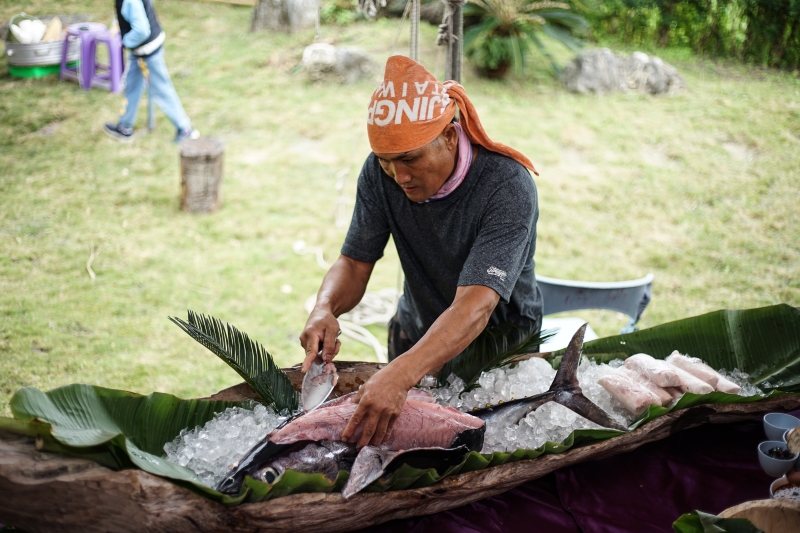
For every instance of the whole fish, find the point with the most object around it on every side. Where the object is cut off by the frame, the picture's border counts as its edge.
(425, 434)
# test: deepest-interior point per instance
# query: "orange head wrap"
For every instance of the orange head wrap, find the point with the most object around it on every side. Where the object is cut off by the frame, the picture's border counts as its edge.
(410, 108)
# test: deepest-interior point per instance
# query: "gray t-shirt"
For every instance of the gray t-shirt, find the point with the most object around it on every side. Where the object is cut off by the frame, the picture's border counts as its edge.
(484, 233)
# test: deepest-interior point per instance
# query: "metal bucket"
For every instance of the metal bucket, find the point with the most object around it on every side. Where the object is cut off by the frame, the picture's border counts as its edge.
(38, 54)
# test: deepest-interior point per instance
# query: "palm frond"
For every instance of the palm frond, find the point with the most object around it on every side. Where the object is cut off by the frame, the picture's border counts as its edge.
(545, 52)
(248, 358)
(494, 347)
(564, 37)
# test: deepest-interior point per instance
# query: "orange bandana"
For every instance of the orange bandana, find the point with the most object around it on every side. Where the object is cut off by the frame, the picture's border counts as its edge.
(410, 108)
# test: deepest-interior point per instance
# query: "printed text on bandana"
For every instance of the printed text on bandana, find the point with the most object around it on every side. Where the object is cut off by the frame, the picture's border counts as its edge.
(383, 111)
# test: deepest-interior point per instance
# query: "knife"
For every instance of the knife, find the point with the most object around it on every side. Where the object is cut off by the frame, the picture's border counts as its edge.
(317, 385)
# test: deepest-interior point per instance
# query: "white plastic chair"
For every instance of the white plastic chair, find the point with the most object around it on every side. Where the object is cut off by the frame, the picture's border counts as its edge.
(628, 297)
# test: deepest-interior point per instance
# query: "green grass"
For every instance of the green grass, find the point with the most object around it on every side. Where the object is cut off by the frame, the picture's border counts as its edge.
(701, 189)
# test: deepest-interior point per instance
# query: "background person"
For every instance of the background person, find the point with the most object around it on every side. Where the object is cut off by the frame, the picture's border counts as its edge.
(142, 35)
(462, 212)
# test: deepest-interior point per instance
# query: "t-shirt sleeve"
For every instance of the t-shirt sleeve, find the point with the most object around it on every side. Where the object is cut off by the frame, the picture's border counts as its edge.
(503, 244)
(369, 228)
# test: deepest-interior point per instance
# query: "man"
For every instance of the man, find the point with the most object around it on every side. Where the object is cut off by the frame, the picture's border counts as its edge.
(142, 35)
(462, 211)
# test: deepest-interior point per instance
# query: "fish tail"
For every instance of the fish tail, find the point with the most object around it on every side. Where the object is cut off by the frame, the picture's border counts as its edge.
(567, 373)
(577, 402)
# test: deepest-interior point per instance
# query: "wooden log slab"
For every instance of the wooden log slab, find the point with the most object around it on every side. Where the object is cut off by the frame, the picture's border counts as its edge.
(201, 174)
(770, 516)
(47, 493)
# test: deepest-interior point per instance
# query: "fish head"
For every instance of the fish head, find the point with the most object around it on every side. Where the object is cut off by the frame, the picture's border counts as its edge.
(253, 460)
(322, 457)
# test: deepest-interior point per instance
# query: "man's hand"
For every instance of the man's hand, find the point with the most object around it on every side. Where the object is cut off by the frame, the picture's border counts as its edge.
(320, 333)
(380, 401)
(342, 288)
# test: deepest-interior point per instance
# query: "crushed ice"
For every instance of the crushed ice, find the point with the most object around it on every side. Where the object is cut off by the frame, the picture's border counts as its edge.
(551, 422)
(212, 450)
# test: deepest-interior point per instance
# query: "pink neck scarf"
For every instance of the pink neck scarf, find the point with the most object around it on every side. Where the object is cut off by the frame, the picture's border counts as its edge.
(462, 166)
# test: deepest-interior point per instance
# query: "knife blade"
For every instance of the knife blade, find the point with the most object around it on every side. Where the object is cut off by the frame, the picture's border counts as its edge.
(317, 384)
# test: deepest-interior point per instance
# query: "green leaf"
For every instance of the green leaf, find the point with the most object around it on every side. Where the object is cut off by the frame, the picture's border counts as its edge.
(763, 342)
(493, 348)
(247, 357)
(700, 522)
(123, 428)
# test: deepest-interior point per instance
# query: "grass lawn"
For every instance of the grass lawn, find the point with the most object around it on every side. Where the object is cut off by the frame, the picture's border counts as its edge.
(700, 189)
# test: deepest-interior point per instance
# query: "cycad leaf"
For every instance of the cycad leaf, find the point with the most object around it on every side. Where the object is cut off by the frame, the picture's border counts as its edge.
(247, 357)
(495, 347)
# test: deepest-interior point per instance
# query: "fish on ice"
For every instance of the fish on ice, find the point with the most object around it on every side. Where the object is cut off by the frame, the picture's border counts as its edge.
(425, 434)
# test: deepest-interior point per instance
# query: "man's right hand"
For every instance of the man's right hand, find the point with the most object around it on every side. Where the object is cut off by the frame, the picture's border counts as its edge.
(342, 288)
(320, 333)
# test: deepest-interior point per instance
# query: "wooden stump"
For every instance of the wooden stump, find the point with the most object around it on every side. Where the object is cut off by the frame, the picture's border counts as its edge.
(201, 175)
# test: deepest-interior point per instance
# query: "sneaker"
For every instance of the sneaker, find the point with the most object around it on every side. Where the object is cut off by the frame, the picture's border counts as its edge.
(182, 135)
(120, 133)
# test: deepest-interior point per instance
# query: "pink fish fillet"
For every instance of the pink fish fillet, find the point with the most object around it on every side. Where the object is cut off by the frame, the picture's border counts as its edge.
(633, 396)
(420, 424)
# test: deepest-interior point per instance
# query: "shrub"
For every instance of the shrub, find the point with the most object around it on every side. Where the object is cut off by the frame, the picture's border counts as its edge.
(766, 32)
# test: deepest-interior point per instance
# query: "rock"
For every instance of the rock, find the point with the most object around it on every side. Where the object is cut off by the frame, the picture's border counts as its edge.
(651, 74)
(346, 64)
(287, 16)
(600, 71)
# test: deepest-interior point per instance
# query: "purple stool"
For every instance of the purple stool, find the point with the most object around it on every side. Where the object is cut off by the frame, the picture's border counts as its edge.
(85, 32)
(107, 76)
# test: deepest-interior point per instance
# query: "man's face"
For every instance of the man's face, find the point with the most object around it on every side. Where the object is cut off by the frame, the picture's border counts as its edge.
(423, 171)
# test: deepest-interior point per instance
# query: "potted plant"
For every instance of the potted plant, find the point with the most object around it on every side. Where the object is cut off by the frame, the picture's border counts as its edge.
(500, 34)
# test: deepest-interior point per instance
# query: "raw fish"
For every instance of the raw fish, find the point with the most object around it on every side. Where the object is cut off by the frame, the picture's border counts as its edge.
(689, 383)
(663, 395)
(702, 371)
(659, 372)
(425, 434)
(634, 396)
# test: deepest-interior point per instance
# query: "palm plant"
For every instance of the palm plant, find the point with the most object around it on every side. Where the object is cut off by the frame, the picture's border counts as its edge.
(502, 33)
(247, 357)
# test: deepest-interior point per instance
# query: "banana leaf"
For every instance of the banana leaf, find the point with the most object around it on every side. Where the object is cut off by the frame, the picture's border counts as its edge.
(700, 522)
(763, 342)
(125, 430)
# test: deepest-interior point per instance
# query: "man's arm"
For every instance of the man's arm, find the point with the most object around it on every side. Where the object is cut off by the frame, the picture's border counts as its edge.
(341, 290)
(381, 399)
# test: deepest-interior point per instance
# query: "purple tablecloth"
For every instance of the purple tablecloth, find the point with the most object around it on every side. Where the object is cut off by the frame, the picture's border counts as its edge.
(709, 468)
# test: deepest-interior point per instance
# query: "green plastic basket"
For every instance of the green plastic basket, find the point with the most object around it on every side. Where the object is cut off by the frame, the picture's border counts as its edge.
(37, 72)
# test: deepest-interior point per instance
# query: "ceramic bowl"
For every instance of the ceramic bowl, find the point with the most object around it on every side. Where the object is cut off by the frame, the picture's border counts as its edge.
(776, 424)
(774, 467)
(777, 484)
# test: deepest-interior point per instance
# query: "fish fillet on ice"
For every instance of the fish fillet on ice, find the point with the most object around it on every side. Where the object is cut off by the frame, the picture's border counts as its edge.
(659, 372)
(662, 393)
(633, 396)
(690, 383)
(702, 371)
